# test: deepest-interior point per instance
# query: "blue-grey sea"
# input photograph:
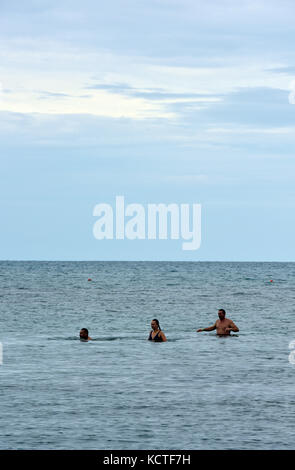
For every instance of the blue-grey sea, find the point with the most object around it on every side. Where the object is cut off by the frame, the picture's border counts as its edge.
(120, 391)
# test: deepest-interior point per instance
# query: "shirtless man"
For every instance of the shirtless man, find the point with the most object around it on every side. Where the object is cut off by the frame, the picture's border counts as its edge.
(84, 334)
(223, 326)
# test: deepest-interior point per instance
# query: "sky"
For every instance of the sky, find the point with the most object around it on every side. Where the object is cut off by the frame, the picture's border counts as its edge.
(159, 101)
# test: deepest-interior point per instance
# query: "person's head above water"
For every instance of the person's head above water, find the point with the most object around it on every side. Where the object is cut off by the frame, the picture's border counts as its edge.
(155, 324)
(156, 334)
(84, 333)
(221, 313)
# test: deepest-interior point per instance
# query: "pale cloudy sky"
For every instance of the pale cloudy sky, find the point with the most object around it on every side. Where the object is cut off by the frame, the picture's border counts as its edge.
(160, 101)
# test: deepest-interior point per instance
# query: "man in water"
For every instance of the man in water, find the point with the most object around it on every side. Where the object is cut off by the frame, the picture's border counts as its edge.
(223, 326)
(84, 334)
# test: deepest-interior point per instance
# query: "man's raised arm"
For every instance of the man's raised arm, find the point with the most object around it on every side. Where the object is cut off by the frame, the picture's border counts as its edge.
(210, 328)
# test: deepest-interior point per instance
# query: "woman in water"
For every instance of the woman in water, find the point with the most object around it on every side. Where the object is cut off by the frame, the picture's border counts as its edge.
(156, 333)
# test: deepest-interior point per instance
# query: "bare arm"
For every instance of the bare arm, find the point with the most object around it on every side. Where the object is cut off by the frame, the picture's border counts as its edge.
(162, 335)
(233, 327)
(210, 328)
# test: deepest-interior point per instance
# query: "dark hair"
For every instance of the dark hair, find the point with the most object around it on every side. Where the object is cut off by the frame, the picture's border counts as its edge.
(84, 329)
(157, 321)
(221, 310)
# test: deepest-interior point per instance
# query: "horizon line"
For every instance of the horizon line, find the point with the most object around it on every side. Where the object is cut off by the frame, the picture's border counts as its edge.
(136, 261)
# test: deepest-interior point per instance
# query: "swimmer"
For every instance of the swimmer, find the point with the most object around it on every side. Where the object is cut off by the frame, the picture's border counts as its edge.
(156, 333)
(84, 334)
(223, 326)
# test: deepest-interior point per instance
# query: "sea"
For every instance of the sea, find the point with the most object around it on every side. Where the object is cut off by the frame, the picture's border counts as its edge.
(121, 391)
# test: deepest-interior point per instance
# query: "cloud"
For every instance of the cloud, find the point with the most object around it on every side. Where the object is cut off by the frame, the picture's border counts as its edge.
(152, 93)
(84, 130)
(123, 85)
(287, 69)
(252, 130)
(50, 94)
(163, 29)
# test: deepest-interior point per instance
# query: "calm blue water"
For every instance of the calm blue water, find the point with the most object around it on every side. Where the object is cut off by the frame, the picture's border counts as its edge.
(197, 391)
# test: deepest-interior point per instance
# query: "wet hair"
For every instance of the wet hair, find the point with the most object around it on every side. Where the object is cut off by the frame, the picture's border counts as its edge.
(157, 321)
(85, 329)
(221, 310)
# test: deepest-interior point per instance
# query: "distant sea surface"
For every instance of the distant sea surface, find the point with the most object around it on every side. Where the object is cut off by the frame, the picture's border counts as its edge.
(120, 391)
